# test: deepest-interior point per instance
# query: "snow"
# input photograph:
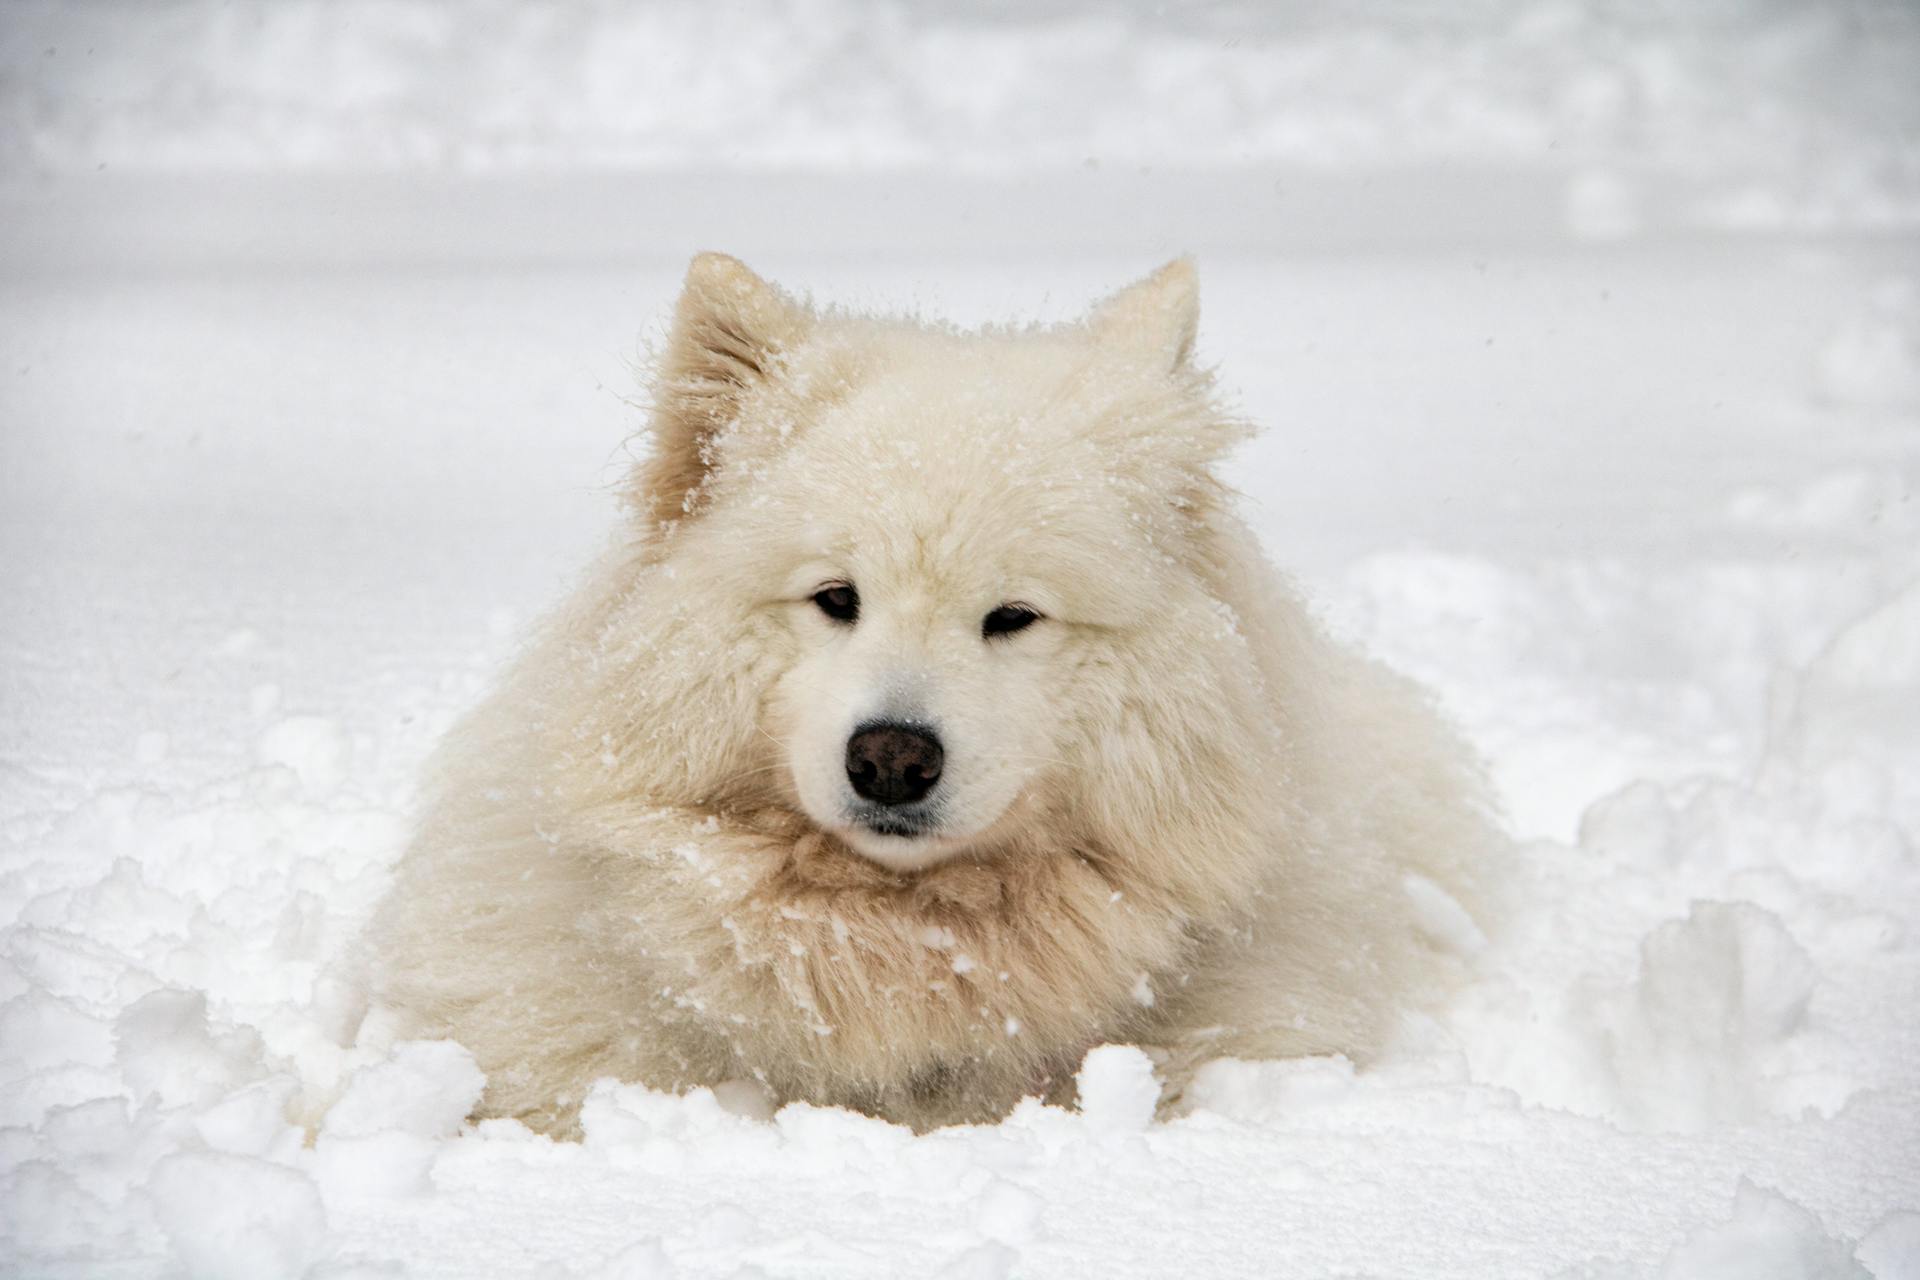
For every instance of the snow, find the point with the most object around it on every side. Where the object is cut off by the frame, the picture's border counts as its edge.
(1587, 344)
(232, 1216)
(1118, 1092)
(1767, 1238)
(1756, 114)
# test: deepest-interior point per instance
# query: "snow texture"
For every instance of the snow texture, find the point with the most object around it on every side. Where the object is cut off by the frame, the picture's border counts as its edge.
(297, 431)
(1760, 113)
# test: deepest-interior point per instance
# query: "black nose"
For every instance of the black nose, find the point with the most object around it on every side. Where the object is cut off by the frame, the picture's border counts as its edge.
(893, 763)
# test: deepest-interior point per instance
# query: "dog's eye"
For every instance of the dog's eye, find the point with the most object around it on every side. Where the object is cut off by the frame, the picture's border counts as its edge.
(839, 602)
(1008, 618)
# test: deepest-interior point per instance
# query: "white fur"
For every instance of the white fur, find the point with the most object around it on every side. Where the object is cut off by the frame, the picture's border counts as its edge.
(1172, 811)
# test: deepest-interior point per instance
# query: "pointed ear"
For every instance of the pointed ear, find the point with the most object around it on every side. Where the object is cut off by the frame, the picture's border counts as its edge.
(1155, 319)
(730, 329)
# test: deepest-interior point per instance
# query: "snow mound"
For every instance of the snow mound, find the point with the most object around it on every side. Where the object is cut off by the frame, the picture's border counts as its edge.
(425, 1089)
(1769, 1237)
(231, 1216)
(1891, 1251)
(1696, 1038)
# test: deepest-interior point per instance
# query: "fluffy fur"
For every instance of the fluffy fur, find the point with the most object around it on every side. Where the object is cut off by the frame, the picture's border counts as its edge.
(1173, 812)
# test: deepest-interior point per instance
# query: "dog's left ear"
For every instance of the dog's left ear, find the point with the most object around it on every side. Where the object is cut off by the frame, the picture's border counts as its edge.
(1152, 324)
(1155, 319)
(730, 331)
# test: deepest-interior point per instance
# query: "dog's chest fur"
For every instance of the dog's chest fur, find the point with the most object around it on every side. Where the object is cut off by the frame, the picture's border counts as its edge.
(953, 992)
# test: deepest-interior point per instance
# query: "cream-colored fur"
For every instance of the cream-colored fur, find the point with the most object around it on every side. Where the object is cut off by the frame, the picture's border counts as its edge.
(1175, 813)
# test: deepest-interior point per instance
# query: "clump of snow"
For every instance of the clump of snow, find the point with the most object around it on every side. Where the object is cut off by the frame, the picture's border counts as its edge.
(313, 747)
(1860, 698)
(167, 1054)
(424, 1088)
(1891, 1251)
(1258, 1093)
(252, 1121)
(1118, 1092)
(231, 1216)
(982, 1262)
(642, 1260)
(1695, 1038)
(380, 1138)
(1010, 1213)
(1769, 1237)
(53, 1221)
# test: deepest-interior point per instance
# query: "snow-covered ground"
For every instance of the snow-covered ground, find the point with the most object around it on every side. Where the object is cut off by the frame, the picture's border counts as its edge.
(1616, 446)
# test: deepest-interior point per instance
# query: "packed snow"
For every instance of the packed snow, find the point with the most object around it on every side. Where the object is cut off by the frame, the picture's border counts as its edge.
(1587, 345)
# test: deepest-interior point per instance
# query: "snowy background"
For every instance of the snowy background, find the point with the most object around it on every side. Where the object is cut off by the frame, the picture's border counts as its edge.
(1587, 340)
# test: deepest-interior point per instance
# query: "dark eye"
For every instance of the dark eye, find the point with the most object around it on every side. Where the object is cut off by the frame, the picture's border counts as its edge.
(1008, 618)
(839, 602)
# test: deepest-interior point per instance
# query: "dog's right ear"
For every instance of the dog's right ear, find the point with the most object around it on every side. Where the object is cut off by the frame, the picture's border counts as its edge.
(730, 331)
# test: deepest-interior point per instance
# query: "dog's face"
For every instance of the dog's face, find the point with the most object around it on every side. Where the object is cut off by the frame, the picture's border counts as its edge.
(957, 548)
(932, 676)
(939, 602)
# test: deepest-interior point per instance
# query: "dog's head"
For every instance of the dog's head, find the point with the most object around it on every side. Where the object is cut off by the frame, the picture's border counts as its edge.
(970, 576)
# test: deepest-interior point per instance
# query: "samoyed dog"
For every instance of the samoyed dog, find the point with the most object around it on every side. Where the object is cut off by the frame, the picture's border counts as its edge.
(932, 720)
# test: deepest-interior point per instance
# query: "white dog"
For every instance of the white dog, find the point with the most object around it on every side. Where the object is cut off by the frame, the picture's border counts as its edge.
(932, 721)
